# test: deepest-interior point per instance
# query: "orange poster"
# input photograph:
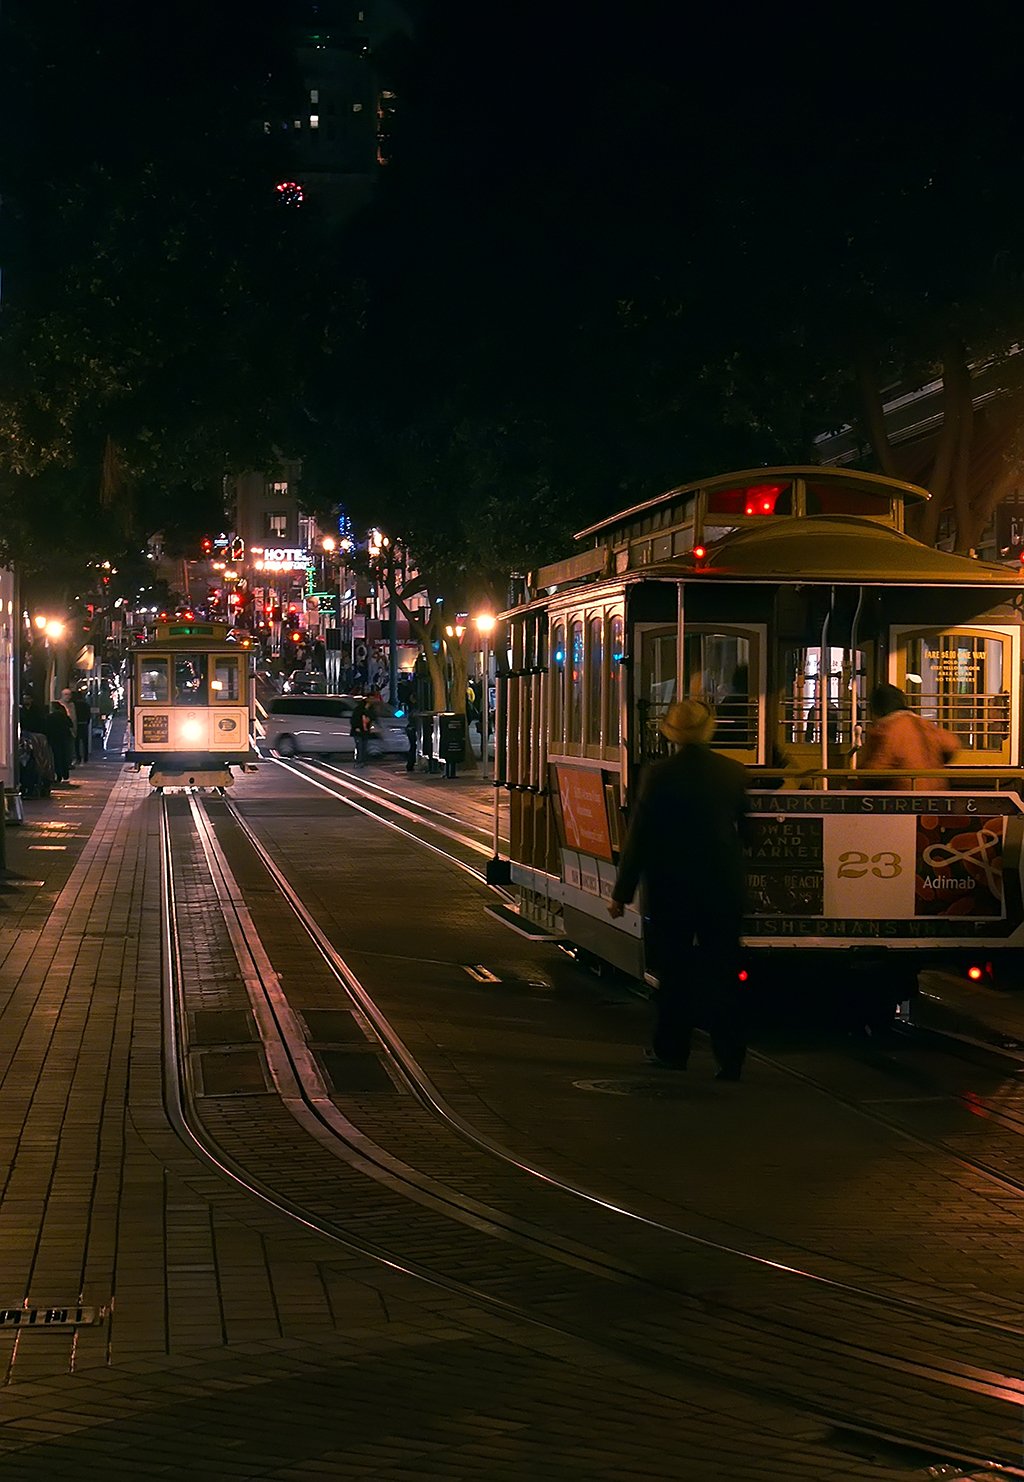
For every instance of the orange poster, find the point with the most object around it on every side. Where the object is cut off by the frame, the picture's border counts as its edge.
(583, 811)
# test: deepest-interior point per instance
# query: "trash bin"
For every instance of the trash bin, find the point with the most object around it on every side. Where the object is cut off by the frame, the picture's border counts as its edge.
(452, 740)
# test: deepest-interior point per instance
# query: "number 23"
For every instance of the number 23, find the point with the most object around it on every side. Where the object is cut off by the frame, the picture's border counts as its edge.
(853, 864)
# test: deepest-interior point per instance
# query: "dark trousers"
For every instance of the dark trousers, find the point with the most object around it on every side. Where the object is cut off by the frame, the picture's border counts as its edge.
(697, 964)
(362, 745)
(82, 742)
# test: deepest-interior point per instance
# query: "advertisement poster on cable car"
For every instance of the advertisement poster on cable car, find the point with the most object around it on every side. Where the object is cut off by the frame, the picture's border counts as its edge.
(884, 865)
(584, 812)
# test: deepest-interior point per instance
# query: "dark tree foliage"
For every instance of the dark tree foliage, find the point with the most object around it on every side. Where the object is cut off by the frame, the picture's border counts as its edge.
(155, 294)
(618, 249)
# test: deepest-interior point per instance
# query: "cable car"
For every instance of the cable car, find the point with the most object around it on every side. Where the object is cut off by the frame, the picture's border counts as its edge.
(191, 698)
(781, 597)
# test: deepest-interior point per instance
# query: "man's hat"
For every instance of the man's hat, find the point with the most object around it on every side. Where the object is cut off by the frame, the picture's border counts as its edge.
(688, 720)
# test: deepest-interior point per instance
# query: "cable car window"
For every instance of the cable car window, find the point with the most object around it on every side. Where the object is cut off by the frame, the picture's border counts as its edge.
(190, 679)
(153, 679)
(753, 499)
(716, 669)
(595, 675)
(830, 499)
(613, 713)
(225, 681)
(557, 702)
(802, 697)
(656, 689)
(958, 680)
(575, 680)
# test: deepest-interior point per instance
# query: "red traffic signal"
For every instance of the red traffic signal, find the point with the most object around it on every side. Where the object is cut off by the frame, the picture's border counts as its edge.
(207, 545)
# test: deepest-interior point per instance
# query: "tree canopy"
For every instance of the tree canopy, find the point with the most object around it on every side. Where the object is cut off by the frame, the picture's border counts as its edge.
(604, 263)
(154, 289)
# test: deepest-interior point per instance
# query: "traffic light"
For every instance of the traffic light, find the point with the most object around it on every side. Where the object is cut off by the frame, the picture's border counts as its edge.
(237, 548)
(207, 545)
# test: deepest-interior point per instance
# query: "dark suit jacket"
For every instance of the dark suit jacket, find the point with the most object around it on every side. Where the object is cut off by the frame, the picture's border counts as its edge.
(685, 837)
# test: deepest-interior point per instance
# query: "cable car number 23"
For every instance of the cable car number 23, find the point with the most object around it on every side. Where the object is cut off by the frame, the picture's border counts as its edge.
(853, 864)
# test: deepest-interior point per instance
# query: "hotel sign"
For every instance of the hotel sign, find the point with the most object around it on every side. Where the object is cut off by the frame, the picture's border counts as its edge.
(282, 558)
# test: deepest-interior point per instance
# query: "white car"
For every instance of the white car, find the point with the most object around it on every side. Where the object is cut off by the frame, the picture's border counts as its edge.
(306, 725)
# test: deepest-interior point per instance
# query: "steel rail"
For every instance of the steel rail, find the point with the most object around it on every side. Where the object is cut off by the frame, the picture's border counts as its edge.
(444, 854)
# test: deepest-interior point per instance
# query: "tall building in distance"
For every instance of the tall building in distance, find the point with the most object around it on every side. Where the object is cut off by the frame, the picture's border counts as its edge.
(339, 121)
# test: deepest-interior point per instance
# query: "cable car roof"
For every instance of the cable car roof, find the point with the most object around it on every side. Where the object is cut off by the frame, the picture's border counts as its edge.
(850, 478)
(843, 549)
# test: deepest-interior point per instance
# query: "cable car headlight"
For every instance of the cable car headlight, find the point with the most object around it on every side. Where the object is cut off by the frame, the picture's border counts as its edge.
(192, 730)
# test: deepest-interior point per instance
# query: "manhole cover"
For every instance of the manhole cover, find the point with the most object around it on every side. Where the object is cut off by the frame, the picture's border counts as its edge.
(232, 1073)
(221, 1027)
(333, 1026)
(636, 1086)
(354, 1071)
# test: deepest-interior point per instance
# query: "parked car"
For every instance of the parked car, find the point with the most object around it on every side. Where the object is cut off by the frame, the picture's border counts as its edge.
(304, 682)
(322, 725)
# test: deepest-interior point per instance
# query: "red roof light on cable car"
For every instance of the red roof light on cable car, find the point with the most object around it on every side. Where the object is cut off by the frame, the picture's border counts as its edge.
(699, 552)
(743, 975)
(975, 974)
(761, 499)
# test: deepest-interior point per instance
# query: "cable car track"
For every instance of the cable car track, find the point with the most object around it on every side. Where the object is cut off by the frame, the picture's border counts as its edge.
(291, 1066)
(999, 1116)
(310, 772)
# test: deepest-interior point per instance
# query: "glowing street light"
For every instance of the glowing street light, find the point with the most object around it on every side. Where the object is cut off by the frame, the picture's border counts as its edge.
(329, 543)
(485, 623)
(54, 628)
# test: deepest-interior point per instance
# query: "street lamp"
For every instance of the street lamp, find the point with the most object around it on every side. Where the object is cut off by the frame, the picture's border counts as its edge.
(484, 622)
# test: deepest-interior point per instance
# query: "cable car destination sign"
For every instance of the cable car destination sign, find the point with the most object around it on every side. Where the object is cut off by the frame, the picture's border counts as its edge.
(895, 865)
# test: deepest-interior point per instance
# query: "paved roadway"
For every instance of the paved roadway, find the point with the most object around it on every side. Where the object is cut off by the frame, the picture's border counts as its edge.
(505, 1329)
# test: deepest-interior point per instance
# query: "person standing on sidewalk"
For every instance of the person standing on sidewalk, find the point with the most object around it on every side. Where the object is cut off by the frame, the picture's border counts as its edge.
(83, 720)
(61, 739)
(362, 724)
(685, 843)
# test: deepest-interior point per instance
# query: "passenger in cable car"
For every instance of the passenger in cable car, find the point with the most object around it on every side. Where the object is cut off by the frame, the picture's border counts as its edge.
(899, 740)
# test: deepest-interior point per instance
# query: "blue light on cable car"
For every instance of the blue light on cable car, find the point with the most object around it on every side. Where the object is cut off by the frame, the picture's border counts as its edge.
(559, 655)
(399, 714)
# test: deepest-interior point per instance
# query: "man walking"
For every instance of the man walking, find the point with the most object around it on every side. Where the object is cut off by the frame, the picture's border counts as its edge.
(685, 843)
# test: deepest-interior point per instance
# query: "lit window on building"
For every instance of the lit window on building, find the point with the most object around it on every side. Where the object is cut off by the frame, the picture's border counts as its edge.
(357, 107)
(314, 120)
(314, 95)
(266, 127)
(279, 488)
(277, 525)
(298, 123)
